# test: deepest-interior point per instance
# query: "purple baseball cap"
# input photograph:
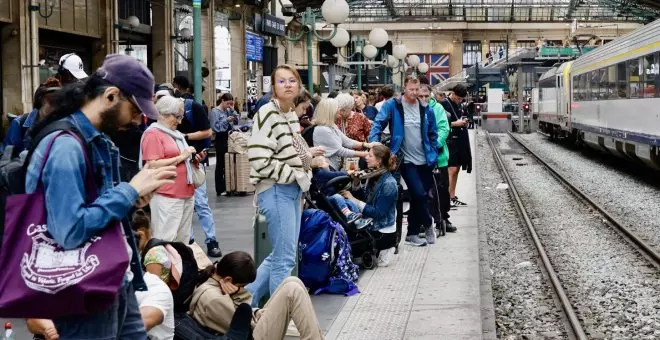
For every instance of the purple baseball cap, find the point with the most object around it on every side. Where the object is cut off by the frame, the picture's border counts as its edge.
(133, 78)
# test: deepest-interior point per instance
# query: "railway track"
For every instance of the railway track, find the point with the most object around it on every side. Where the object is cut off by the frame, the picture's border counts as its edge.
(574, 321)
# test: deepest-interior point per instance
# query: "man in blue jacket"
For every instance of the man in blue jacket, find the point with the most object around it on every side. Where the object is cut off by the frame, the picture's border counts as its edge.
(414, 141)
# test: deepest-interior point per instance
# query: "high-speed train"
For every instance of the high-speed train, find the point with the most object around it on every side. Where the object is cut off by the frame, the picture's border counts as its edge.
(609, 98)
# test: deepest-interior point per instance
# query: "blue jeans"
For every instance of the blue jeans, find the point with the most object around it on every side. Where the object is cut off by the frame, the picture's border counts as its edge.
(340, 203)
(121, 321)
(419, 179)
(280, 204)
(204, 213)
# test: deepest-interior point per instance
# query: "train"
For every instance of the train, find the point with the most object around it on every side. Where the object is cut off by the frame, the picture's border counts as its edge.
(609, 98)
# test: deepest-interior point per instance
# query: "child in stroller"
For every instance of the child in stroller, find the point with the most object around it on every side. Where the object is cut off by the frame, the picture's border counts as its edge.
(322, 175)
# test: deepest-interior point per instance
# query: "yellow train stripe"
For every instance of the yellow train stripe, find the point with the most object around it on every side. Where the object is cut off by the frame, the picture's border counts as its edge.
(618, 58)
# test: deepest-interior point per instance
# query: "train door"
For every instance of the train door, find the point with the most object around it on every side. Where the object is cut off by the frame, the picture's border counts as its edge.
(560, 97)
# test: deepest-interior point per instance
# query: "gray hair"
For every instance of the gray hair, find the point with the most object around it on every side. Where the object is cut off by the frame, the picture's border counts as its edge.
(345, 101)
(169, 105)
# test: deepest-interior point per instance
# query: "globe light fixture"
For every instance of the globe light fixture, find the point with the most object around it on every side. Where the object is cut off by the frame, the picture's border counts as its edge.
(370, 51)
(378, 37)
(341, 38)
(399, 51)
(133, 21)
(335, 11)
(392, 61)
(423, 68)
(413, 60)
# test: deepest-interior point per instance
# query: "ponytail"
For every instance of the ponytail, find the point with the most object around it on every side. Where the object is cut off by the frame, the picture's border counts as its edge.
(206, 273)
(391, 163)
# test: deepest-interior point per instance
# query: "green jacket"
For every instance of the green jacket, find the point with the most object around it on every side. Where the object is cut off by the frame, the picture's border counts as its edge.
(442, 125)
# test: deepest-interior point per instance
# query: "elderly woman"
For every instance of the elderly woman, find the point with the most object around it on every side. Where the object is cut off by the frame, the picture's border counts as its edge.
(352, 123)
(326, 134)
(172, 205)
(281, 171)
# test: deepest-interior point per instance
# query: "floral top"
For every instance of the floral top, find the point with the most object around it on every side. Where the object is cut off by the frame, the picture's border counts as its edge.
(158, 255)
(356, 127)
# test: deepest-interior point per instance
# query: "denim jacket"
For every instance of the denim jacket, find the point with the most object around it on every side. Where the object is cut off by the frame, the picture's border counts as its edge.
(380, 200)
(220, 119)
(16, 135)
(72, 221)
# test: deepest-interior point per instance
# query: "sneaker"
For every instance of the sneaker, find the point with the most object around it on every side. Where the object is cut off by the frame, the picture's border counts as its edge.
(385, 257)
(362, 222)
(450, 227)
(292, 330)
(414, 240)
(213, 249)
(456, 203)
(353, 217)
(430, 235)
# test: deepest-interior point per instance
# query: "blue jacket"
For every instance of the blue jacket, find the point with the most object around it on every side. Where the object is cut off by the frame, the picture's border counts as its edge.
(17, 134)
(72, 221)
(380, 200)
(323, 176)
(392, 114)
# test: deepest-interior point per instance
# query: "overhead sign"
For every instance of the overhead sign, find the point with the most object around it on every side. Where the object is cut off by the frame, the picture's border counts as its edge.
(273, 25)
(254, 47)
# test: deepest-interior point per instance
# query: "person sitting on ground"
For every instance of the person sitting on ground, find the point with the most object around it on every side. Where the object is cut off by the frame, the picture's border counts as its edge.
(323, 174)
(380, 194)
(162, 261)
(156, 308)
(215, 301)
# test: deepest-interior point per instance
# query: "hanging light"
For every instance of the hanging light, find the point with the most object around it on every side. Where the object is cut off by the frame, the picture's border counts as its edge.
(341, 38)
(133, 21)
(392, 61)
(370, 51)
(378, 37)
(335, 11)
(413, 60)
(399, 51)
(423, 68)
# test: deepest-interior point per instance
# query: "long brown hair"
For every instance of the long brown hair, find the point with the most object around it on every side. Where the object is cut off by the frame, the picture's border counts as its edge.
(288, 68)
(385, 155)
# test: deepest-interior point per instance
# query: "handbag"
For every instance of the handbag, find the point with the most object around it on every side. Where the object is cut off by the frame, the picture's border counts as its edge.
(198, 175)
(47, 281)
(302, 148)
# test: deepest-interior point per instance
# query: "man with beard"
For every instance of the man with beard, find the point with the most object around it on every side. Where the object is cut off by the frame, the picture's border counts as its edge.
(111, 98)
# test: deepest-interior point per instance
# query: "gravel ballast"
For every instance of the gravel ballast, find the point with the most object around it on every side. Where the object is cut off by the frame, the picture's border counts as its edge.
(631, 200)
(524, 306)
(613, 289)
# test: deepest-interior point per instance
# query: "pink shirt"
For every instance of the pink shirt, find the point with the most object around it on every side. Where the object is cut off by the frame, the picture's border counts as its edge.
(157, 145)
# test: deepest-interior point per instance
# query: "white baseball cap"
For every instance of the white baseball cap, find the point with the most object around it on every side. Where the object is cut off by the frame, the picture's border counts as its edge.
(72, 63)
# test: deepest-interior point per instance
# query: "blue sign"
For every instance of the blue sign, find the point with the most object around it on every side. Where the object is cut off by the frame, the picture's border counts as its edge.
(254, 47)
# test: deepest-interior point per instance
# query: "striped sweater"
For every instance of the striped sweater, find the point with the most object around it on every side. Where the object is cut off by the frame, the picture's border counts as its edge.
(273, 159)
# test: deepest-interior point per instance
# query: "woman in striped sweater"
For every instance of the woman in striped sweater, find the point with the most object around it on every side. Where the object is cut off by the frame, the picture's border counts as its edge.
(280, 169)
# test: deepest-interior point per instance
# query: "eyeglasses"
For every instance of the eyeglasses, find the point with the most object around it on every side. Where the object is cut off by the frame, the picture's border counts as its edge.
(136, 109)
(179, 118)
(284, 82)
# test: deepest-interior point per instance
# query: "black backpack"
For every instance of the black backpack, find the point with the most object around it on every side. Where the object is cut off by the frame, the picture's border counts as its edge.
(308, 135)
(189, 275)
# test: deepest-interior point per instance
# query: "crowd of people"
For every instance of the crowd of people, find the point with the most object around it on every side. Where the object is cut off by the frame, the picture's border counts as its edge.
(147, 146)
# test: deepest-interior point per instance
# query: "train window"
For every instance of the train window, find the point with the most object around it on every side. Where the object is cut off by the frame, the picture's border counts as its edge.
(603, 85)
(633, 77)
(594, 82)
(584, 84)
(576, 89)
(650, 68)
(622, 83)
(608, 83)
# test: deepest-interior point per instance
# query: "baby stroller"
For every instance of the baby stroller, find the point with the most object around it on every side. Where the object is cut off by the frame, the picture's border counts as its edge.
(363, 243)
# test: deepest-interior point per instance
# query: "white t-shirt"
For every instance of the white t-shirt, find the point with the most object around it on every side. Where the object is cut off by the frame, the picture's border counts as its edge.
(158, 296)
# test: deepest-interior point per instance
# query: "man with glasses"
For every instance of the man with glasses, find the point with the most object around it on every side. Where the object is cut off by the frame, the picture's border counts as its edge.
(458, 141)
(414, 141)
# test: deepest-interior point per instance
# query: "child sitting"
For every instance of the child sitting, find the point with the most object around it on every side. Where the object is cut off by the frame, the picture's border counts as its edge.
(322, 175)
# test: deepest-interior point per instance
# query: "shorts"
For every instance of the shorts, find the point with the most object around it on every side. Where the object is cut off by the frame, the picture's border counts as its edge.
(456, 158)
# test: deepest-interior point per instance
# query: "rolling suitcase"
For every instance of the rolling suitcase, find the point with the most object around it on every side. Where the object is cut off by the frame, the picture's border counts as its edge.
(230, 178)
(262, 245)
(237, 174)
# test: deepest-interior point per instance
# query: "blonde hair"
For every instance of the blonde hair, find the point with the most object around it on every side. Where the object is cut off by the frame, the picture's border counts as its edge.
(326, 112)
(290, 69)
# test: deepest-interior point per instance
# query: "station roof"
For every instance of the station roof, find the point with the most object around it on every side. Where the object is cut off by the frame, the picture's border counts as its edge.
(497, 10)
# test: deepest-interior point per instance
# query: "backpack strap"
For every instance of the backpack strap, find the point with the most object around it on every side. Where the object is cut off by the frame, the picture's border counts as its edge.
(188, 112)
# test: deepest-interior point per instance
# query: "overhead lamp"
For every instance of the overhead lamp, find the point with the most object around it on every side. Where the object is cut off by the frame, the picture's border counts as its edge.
(378, 37)
(335, 11)
(399, 51)
(341, 38)
(370, 51)
(413, 60)
(423, 68)
(133, 21)
(392, 61)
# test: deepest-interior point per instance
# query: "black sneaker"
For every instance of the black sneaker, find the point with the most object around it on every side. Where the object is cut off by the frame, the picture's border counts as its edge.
(450, 227)
(192, 240)
(455, 202)
(213, 249)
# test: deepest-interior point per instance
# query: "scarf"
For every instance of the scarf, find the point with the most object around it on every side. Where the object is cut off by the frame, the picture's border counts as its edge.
(180, 141)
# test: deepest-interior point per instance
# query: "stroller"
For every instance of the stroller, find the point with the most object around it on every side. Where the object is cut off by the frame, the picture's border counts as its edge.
(363, 242)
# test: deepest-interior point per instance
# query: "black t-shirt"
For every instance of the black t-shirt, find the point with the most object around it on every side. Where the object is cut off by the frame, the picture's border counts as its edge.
(201, 123)
(454, 113)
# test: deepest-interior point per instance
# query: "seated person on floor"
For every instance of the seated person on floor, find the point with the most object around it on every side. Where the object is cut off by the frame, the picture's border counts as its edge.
(214, 302)
(162, 261)
(379, 194)
(323, 174)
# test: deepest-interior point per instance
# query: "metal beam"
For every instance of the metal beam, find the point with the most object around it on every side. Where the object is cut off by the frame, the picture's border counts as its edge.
(390, 7)
(571, 7)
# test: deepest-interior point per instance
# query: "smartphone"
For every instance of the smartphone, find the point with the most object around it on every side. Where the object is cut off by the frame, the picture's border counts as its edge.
(205, 150)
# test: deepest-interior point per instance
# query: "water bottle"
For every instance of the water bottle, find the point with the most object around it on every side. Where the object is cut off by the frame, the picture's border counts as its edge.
(9, 333)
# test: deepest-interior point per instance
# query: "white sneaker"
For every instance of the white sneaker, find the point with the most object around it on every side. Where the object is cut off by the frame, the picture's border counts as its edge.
(385, 257)
(292, 330)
